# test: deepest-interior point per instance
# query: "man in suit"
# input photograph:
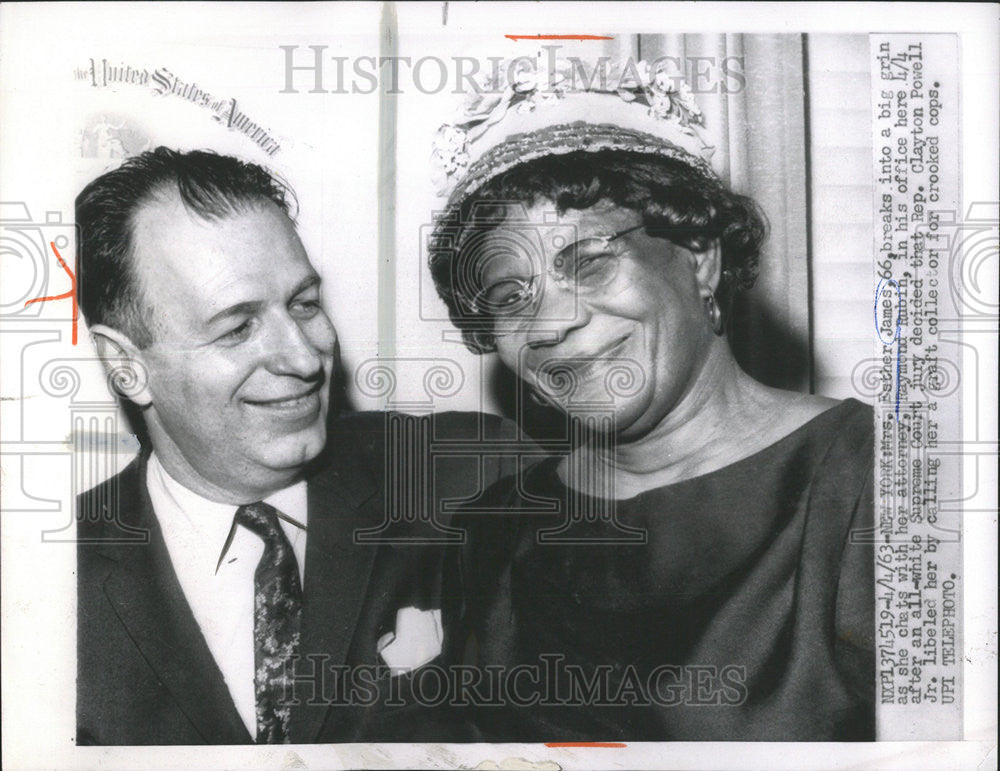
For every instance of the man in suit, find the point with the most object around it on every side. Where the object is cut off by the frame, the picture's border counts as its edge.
(250, 611)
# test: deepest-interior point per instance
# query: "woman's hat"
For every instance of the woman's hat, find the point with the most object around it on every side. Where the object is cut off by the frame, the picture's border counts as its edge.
(525, 112)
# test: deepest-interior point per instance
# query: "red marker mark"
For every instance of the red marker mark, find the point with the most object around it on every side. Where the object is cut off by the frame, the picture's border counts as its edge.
(70, 294)
(559, 37)
(586, 744)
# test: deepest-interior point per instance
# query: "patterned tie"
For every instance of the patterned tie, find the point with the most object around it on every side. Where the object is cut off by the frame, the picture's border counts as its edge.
(277, 613)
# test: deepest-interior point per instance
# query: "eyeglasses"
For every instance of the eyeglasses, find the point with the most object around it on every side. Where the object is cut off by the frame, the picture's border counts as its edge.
(586, 266)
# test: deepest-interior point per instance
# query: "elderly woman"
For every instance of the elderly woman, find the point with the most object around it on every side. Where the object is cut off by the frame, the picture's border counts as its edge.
(691, 563)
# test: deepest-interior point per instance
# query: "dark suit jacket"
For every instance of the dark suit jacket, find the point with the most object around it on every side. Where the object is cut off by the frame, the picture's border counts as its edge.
(145, 674)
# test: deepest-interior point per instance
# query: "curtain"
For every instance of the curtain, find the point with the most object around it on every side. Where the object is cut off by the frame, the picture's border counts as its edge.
(760, 132)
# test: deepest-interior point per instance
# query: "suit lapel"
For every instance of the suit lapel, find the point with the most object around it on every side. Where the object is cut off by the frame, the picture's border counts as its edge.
(146, 595)
(342, 498)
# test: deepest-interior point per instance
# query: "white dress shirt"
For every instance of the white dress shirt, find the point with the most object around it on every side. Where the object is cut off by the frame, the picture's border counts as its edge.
(221, 593)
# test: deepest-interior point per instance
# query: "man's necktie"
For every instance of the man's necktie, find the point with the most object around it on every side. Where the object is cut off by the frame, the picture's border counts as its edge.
(276, 618)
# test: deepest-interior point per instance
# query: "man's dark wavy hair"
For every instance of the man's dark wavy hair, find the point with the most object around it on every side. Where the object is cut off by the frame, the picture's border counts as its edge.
(211, 186)
(676, 201)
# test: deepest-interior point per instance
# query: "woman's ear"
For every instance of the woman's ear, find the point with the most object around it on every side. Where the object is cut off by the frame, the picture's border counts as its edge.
(124, 363)
(708, 268)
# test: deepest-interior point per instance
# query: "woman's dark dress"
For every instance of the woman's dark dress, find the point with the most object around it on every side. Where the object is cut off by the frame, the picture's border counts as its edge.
(748, 613)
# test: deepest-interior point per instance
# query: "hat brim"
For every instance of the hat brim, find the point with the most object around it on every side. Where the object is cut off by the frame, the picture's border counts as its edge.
(563, 139)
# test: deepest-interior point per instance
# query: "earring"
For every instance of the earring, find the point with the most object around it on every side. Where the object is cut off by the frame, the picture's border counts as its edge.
(714, 314)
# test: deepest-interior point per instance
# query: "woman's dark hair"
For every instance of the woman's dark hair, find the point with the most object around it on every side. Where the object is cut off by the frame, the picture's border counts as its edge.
(211, 186)
(676, 201)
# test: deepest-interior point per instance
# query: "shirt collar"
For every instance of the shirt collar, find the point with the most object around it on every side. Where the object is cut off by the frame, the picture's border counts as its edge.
(212, 521)
(292, 504)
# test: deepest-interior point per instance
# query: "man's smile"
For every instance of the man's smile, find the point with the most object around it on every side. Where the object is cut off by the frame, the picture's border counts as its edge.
(301, 404)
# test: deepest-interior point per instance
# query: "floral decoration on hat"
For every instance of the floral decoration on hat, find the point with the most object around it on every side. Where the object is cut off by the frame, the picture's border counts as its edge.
(505, 97)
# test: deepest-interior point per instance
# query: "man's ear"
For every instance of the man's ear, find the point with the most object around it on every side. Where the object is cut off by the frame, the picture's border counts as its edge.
(708, 268)
(124, 363)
